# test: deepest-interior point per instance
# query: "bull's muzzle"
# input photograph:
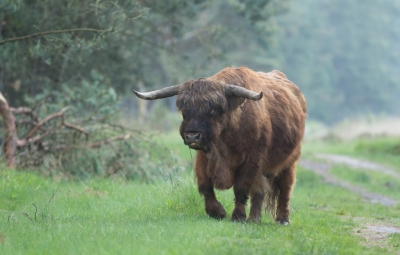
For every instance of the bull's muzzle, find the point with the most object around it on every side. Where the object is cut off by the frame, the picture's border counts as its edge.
(194, 140)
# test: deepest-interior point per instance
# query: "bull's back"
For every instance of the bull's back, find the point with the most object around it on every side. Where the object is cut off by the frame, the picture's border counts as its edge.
(286, 108)
(277, 120)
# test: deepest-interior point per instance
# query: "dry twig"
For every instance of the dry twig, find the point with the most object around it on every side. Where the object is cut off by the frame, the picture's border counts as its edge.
(98, 31)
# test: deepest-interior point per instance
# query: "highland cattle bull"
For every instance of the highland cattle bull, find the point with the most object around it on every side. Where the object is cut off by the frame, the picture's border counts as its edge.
(247, 128)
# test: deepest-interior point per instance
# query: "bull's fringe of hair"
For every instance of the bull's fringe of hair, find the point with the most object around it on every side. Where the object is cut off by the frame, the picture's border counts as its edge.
(271, 198)
(235, 117)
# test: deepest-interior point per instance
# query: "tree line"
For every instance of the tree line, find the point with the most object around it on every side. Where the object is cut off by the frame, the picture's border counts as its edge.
(343, 54)
(64, 64)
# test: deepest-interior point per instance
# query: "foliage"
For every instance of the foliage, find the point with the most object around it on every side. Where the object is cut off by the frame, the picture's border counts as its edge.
(345, 60)
(92, 143)
(344, 55)
(87, 100)
(150, 42)
(383, 145)
(95, 51)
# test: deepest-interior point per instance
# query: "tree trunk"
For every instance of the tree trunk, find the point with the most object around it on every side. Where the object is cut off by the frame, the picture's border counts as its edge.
(11, 138)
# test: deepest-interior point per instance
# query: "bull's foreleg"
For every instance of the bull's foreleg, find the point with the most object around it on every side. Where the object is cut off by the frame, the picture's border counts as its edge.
(213, 207)
(239, 213)
(244, 179)
(285, 182)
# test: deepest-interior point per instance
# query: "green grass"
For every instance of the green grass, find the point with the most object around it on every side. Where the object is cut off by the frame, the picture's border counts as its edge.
(383, 150)
(114, 216)
(173, 141)
(118, 217)
(372, 181)
(395, 240)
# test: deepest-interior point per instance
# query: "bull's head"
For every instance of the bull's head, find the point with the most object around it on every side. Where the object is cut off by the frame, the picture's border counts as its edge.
(206, 107)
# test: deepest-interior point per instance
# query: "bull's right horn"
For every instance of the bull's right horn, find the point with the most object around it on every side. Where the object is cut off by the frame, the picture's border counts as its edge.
(242, 92)
(160, 93)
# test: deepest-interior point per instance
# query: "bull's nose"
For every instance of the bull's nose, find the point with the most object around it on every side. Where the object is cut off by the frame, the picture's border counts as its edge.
(192, 137)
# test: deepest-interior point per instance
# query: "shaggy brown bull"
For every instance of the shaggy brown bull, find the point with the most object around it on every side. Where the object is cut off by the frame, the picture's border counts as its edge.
(241, 140)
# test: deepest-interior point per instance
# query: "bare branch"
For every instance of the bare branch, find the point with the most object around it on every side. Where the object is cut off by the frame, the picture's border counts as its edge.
(25, 142)
(36, 210)
(25, 110)
(43, 121)
(98, 31)
(121, 127)
(28, 139)
(115, 138)
(21, 110)
(26, 215)
(72, 126)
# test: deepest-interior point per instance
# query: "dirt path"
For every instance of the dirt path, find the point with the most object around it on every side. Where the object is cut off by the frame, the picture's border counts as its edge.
(374, 233)
(357, 164)
(323, 170)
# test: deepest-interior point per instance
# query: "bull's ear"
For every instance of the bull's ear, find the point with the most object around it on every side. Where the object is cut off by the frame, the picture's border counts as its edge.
(242, 92)
(160, 93)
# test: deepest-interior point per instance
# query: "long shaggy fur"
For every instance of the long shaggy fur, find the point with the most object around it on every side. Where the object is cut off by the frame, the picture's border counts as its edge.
(271, 197)
(245, 141)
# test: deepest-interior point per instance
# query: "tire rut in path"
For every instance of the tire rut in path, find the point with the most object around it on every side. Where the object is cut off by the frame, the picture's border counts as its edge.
(358, 164)
(323, 170)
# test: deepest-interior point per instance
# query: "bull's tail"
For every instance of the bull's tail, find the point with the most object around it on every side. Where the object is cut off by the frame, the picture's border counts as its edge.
(271, 197)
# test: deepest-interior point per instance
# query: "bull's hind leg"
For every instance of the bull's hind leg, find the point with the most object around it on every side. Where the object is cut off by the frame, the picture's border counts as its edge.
(213, 207)
(257, 194)
(284, 183)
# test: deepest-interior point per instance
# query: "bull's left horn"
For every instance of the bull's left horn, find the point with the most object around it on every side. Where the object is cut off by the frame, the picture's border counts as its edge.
(160, 93)
(242, 92)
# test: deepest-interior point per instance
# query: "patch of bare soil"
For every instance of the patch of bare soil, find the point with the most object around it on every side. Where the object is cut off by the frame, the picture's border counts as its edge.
(374, 232)
(323, 170)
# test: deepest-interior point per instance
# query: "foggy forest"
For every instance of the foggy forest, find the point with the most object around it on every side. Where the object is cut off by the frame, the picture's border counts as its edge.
(343, 55)
(70, 121)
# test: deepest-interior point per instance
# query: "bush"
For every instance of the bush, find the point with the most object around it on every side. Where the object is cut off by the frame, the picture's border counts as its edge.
(86, 139)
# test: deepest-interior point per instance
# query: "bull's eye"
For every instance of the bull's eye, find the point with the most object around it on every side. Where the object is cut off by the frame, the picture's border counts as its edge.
(214, 112)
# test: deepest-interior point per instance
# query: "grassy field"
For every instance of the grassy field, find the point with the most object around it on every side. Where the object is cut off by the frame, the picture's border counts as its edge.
(113, 216)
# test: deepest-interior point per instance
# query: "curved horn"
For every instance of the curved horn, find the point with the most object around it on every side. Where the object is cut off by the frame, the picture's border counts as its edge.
(160, 93)
(242, 92)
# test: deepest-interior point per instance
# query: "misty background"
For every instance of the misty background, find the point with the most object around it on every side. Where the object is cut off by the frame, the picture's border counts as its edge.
(344, 55)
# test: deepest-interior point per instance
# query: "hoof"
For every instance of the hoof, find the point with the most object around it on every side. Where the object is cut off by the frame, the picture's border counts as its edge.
(238, 216)
(217, 215)
(284, 222)
(217, 211)
(254, 217)
(255, 220)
